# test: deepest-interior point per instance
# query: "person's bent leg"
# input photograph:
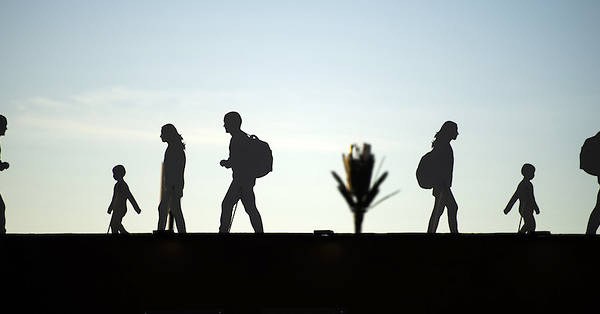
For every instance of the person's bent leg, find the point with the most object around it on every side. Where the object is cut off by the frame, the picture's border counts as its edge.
(163, 210)
(528, 222)
(117, 224)
(438, 209)
(524, 227)
(594, 220)
(2, 217)
(452, 207)
(249, 201)
(178, 214)
(122, 229)
(231, 197)
(114, 228)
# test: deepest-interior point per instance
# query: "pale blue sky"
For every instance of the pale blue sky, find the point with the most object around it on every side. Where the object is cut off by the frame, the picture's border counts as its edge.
(87, 85)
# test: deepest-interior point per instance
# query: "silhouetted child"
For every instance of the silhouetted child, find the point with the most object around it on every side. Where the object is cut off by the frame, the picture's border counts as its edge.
(527, 204)
(3, 166)
(118, 205)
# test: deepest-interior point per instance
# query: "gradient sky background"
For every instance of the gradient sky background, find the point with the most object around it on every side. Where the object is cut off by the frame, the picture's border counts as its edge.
(87, 85)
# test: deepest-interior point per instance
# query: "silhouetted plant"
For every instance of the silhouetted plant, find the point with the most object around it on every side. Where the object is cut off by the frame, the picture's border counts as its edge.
(358, 191)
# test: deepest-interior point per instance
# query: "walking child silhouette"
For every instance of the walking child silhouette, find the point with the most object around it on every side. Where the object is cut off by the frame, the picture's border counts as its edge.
(118, 205)
(527, 204)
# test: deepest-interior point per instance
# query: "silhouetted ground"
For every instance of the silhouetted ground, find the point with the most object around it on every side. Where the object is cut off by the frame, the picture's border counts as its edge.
(248, 273)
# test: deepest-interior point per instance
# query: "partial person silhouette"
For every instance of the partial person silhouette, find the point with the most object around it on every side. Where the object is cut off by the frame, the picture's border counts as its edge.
(594, 220)
(443, 162)
(589, 159)
(3, 166)
(118, 205)
(244, 177)
(527, 204)
(172, 181)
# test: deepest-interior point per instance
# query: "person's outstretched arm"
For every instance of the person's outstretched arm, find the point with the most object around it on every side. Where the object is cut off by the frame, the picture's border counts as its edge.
(112, 202)
(5, 165)
(511, 203)
(227, 162)
(131, 199)
(534, 203)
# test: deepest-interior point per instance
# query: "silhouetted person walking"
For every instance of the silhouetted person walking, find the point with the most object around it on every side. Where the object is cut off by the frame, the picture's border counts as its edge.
(589, 159)
(527, 204)
(242, 185)
(118, 205)
(172, 186)
(594, 220)
(3, 166)
(443, 162)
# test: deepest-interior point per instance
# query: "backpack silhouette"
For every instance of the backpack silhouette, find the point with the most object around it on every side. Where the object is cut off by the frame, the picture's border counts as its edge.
(589, 158)
(426, 171)
(260, 157)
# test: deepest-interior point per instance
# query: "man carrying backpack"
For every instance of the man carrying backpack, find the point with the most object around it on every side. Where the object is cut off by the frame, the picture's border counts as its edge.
(244, 177)
(589, 161)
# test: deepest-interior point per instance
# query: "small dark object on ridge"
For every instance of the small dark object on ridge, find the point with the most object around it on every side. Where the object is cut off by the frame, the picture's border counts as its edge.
(358, 191)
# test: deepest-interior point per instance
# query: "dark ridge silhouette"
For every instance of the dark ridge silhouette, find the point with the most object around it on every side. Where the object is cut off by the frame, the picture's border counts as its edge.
(118, 205)
(435, 172)
(3, 166)
(527, 204)
(589, 161)
(249, 158)
(242, 273)
(172, 179)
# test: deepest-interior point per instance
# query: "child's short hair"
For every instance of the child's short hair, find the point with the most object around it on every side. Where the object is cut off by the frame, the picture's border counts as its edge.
(2, 120)
(119, 171)
(527, 170)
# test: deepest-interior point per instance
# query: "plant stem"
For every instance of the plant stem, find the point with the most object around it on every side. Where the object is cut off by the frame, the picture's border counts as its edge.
(359, 214)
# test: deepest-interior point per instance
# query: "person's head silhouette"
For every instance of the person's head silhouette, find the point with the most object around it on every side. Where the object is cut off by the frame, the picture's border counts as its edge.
(232, 122)
(528, 171)
(118, 172)
(169, 134)
(3, 124)
(448, 132)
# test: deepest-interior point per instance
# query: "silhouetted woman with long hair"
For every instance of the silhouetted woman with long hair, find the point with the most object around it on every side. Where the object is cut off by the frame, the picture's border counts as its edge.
(444, 165)
(172, 180)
